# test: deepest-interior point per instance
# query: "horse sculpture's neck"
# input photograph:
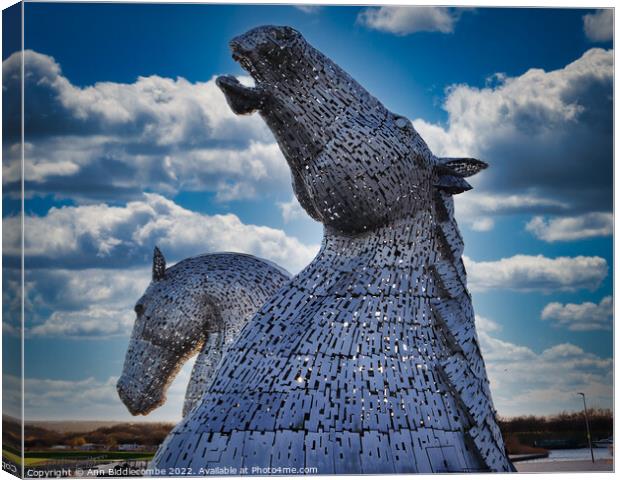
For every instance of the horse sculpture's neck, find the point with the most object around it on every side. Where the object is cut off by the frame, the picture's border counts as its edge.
(387, 260)
(228, 297)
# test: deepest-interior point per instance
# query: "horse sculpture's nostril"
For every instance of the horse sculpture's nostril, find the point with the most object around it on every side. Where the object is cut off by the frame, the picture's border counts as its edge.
(235, 47)
(126, 391)
(127, 394)
(121, 388)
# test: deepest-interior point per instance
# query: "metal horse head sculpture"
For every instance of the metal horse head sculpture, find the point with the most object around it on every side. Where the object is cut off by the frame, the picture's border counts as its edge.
(354, 164)
(198, 305)
(368, 360)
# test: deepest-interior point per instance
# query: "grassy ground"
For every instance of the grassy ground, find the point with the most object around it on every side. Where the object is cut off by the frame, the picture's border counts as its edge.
(78, 455)
(11, 456)
(43, 457)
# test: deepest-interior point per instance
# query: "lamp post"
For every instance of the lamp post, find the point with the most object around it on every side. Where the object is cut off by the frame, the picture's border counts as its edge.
(585, 414)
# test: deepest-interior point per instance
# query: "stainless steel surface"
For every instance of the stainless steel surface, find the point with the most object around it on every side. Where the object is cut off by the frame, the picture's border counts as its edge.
(368, 360)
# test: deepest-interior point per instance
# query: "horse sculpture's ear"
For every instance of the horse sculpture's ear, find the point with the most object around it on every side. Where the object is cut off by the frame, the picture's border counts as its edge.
(462, 167)
(451, 172)
(159, 265)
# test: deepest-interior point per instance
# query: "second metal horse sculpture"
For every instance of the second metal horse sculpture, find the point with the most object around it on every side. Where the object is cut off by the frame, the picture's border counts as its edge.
(198, 305)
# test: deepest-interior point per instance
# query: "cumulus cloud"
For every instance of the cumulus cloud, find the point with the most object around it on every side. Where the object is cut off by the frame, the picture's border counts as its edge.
(11, 297)
(477, 209)
(113, 140)
(536, 273)
(292, 210)
(85, 303)
(545, 134)
(564, 229)
(123, 236)
(90, 322)
(484, 324)
(580, 317)
(524, 382)
(407, 20)
(89, 264)
(308, 8)
(599, 26)
(89, 303)
(482, 224)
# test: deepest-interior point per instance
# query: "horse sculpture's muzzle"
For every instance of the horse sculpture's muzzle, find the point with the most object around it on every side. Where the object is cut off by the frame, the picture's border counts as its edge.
(130, 393)
(146, 375)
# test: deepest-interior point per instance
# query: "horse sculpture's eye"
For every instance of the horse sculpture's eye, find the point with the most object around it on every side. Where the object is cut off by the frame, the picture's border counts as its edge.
(285, 33)
(402, 122)
(139, 309)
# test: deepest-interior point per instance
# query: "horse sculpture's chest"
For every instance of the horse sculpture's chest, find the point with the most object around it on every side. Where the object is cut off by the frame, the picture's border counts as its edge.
(346, 358)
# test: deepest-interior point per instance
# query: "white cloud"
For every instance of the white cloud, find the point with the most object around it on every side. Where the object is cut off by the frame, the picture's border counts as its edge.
(88, 303)
(482, 224)
(159, 110)
(599, 26)
(545, 135)
(90, 322)
(535, 272)
(308, 8)
(524, 382)
(407, 20)
(580, 317)
(11, 296)
(109, 236)
(477, 209)
(292, 210)
(88, 264)
(565, 229)
(484, 324)
(10, 329)
(114, 140)
(474, 204)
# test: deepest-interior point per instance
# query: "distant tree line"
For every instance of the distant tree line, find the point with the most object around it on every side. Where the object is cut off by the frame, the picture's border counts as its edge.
(147, 434)
(526, 430)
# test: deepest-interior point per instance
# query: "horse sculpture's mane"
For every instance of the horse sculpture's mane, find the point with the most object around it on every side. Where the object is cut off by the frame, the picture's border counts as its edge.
(368, 360)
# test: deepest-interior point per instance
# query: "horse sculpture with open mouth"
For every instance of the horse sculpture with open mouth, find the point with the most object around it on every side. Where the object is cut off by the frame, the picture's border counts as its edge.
(368, 360)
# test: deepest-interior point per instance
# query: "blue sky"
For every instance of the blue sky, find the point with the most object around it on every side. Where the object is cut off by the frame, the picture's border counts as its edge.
(120, 101)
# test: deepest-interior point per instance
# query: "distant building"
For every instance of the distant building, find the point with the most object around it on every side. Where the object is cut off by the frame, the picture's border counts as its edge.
(129, 447)
(93, 446)
(60, 447)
